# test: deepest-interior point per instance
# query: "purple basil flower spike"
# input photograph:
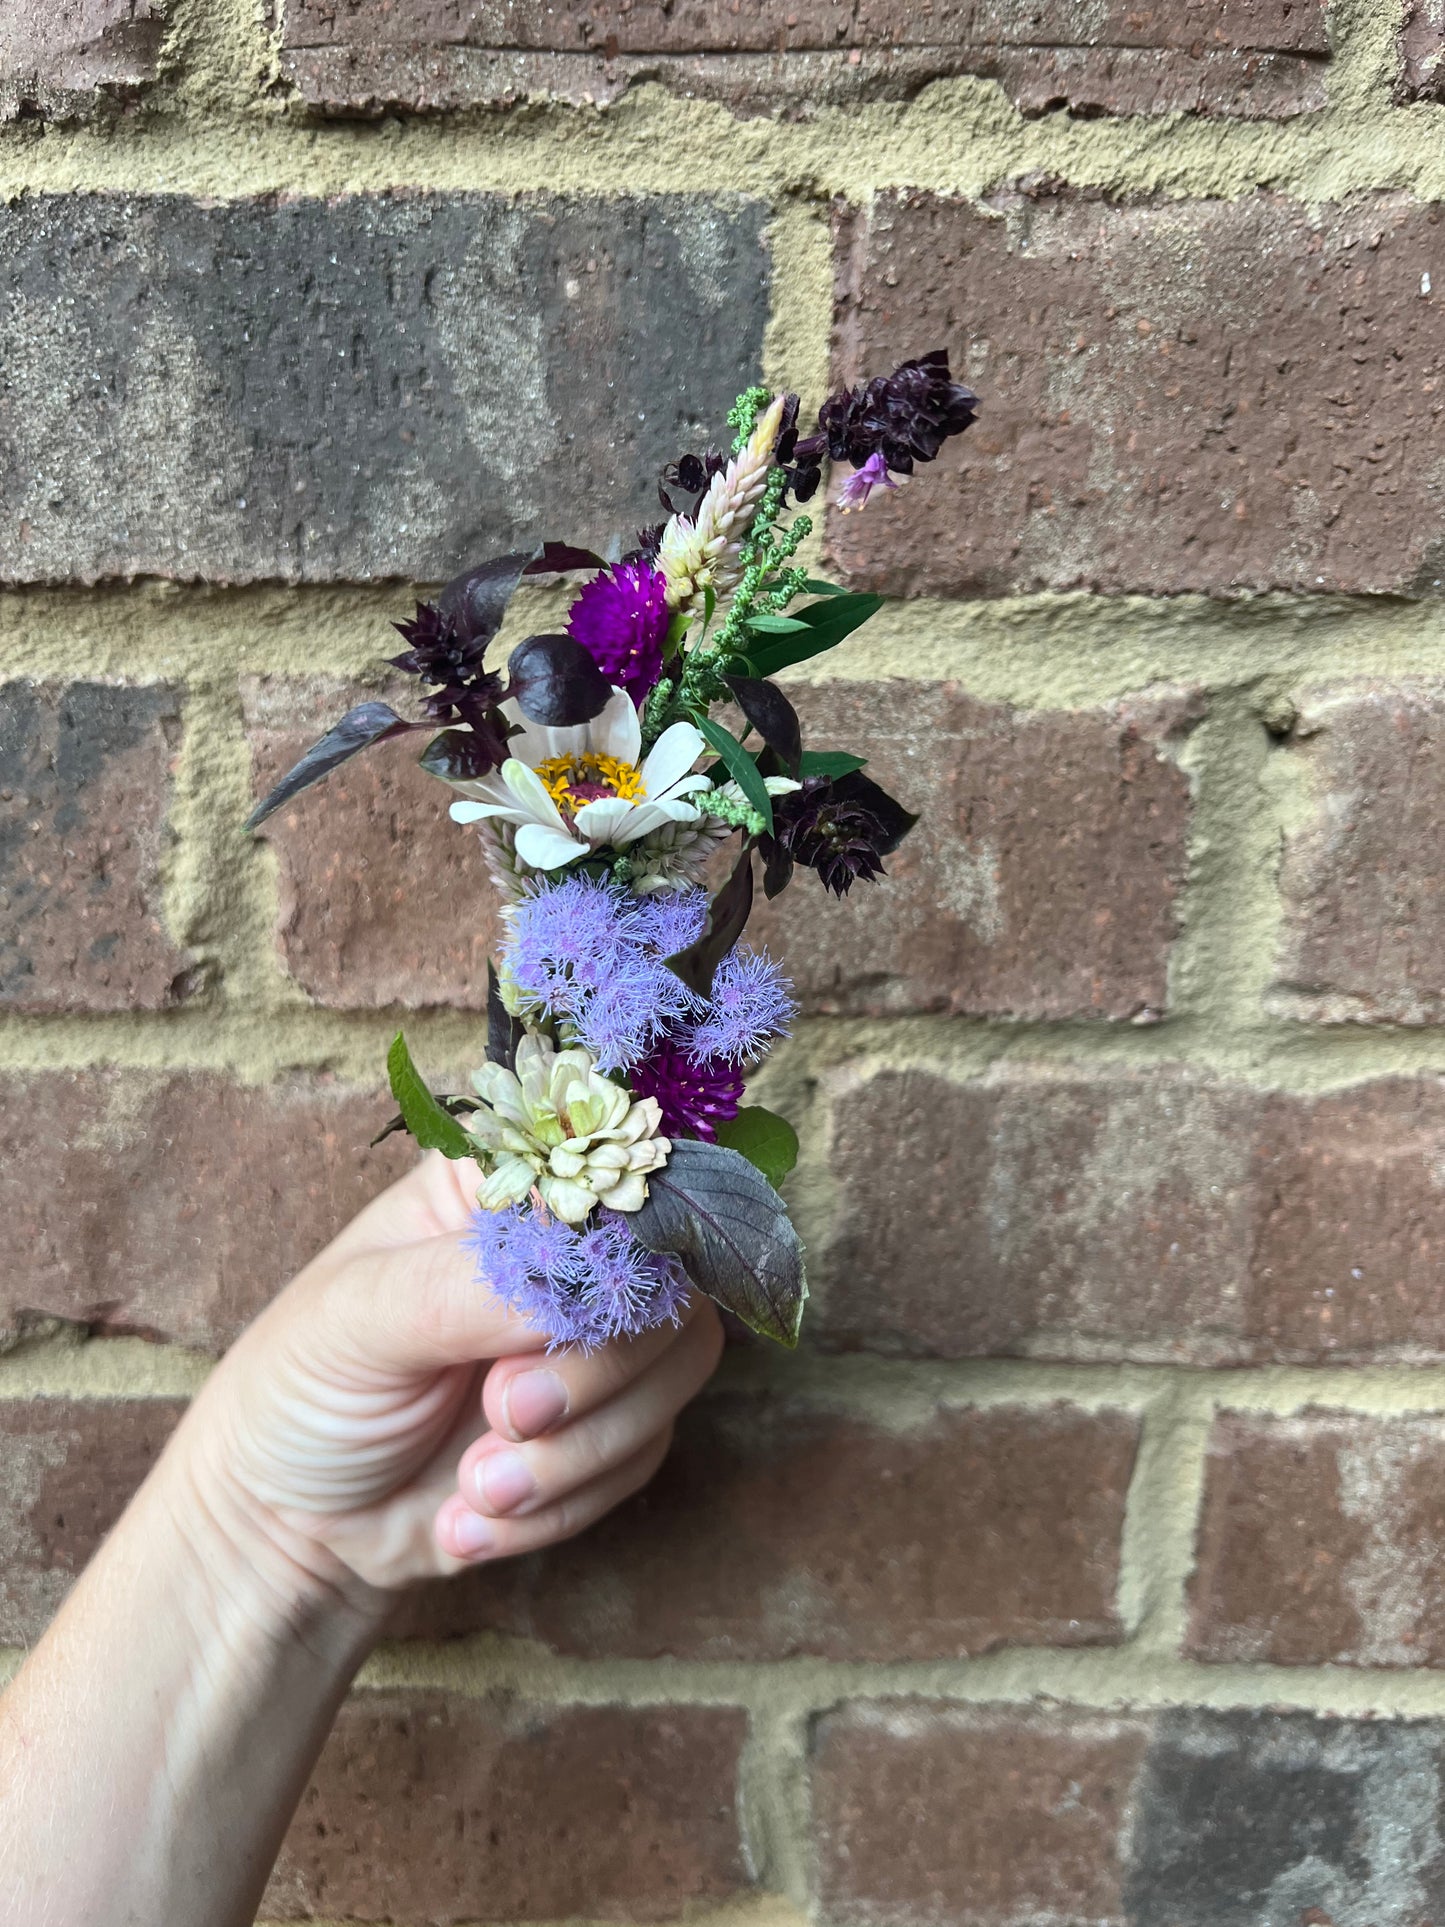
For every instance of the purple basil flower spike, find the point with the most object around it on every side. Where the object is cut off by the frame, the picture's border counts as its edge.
(621, 619)
(862, 482)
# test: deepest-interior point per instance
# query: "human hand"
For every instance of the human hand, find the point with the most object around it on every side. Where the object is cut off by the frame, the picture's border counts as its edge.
(351, 1419)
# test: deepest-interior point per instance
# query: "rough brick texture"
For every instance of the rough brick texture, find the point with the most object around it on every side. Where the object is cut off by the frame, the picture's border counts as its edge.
(382, 899)
(1220, 56)
(1143, 1217)
(85, 798)
(1041, 881)
(1422, 45)
(427, 1811)
(1322, 1540)
(174, 1205)
(67, 1468)
(1004, 1816)
(776, 1529)
(381, 385)
(1364, 930)
(60, 59)
(1181, 395)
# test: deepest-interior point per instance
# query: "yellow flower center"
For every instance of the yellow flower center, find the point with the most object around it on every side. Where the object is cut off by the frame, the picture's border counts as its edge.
(571, 781)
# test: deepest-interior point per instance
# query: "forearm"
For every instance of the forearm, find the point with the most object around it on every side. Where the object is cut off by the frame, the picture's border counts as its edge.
(154, 1746)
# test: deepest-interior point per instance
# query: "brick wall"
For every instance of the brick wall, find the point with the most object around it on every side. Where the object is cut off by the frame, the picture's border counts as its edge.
(1089, 1562)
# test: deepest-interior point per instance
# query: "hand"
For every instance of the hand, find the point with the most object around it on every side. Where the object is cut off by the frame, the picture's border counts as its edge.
(352, 1417)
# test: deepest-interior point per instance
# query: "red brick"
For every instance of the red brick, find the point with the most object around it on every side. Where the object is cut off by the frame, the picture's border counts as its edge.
(1421, 74)
(85, 795)
(64, 61)
(1217, 57)
(1042, 879)
(426, 1811)
(67, 1469)
(383, 899)
(1178, 395)
(170, 1205)
(986, 1815)
(1322, 1541)
(1364, 895)
(776, 1529)
(1147, 1217)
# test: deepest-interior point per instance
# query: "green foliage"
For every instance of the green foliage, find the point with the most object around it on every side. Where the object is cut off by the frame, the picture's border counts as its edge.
(433, 1127)
(764, 1139)
(739, 765)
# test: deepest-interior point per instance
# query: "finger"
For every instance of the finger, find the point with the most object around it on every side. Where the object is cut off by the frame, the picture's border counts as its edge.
(500, 1479)
(436, 1196)
(524, 1396)
(465, 1539)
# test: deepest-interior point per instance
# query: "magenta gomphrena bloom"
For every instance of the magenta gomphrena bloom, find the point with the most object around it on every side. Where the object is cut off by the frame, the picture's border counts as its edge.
(695, 1097)
(576, 1287)
(621, 619)
(862, 482)
(752, 1004)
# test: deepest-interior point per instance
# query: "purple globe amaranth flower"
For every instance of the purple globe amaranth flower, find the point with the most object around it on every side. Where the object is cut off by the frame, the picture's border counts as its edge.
(751, 1006)
(621, 619)
(905, 417)
(862, 482)
(695, 1097)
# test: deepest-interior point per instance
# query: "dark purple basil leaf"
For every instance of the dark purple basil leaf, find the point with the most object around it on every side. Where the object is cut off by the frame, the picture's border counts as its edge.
(556, 682)
(711, 1208)
(358, 729)
(475, 601)
(558, 558)
(727, 917)
(896, 821)
(777, 867)
(461, 755)
(772, 716)
(504, 1032)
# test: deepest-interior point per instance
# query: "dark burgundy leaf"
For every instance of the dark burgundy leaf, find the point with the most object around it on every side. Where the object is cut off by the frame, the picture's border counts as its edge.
(896, 821)
(777, 867)
(504, 1032)
(556, 558)
(556, 682)
(358, 729)
(727, 917)
(772, 716)
(461, 755)
(475, 602)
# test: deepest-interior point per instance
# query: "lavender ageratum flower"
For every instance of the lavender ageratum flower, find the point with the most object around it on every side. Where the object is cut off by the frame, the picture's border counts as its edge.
(621, 620)
(670, 922)
(862, 482)
(751, 1005)
(694, 1096)
(626, 1288)
(576, 1287)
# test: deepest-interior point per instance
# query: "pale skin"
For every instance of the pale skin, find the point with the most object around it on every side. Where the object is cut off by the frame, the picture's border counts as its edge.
(382, 1422)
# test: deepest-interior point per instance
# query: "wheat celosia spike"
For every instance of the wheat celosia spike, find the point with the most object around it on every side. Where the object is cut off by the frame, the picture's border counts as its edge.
(696, 554)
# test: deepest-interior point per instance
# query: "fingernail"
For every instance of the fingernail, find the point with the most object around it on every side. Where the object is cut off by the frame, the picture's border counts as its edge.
(473, 1535)
(504, 1480)
(532, 1402)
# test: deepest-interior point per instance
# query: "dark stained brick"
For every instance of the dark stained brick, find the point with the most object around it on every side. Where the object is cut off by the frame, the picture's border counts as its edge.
(427, 1811)
(85, 792)
(390, 385)
(1217, 395)
(1421, 73)
(63, 59)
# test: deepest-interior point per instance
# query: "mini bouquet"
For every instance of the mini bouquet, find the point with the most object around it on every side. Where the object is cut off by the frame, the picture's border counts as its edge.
(619, 1164)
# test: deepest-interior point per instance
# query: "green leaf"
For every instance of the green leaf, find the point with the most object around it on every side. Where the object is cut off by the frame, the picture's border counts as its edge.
(827, 624)
(829, 762)
(739, 765)
(777, 625)
(814, 586)
(429, 1123)
(764, 1138)
(712, 1209)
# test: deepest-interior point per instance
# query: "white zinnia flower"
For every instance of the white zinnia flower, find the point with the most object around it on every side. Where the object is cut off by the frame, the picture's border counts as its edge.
(571, 791)
(558, 1125)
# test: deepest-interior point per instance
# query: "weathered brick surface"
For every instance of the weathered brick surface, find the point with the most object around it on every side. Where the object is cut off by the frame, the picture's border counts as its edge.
(1421, 73)
(85, 795)
(64, 58)
(426, 1811)
(1041, 881)
(1211, 395)
(1322, 1540)
(1364, 929)
(775, 1529)
(382, 898)
(1143, 1217)
(1003, 1816)
(67, 1468)
(174, 1205)
(1217, 57)
(370, 386)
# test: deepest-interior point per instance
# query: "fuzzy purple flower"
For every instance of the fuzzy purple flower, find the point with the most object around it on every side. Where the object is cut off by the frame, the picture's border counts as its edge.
(862, 482)
(625, 1287)
(576, 1287)
(694, 1096)
(621, 619)
(751, 1005)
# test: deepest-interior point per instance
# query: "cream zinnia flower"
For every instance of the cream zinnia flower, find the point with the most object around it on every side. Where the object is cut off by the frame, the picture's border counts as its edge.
(558, 1125)
(695, 554)
(571, 791)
